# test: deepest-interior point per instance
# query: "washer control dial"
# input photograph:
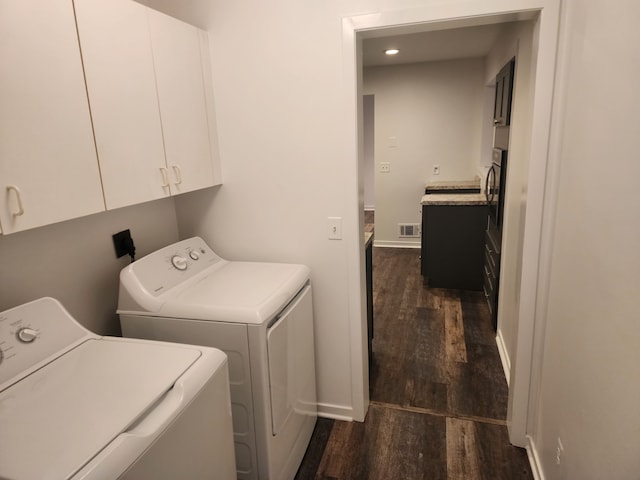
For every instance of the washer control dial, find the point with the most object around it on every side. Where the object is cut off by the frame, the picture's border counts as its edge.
(27, 335)
(194, 255)
(179, 262)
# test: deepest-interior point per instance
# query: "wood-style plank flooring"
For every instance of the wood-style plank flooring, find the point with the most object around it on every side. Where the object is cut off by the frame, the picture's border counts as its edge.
(438, 393)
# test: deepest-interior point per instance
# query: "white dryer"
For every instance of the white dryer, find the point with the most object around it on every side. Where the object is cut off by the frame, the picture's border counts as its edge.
(260, 315)
(74, 405)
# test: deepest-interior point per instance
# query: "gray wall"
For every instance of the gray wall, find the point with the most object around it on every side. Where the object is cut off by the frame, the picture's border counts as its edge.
(425, 114)
(75, 261)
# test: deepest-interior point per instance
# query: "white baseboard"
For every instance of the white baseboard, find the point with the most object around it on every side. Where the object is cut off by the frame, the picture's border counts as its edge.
(336, 412)
(534, 460)
(504, 357)
(395, 244)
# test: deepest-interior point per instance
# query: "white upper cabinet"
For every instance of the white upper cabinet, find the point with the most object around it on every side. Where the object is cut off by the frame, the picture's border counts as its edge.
(48, 166)
(183, 103)
(118, 63)
(137, 124)
(146, 85)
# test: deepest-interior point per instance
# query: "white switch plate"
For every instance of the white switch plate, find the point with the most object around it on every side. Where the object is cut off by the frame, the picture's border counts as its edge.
(385, 167)
(334, 228)
(436, 169)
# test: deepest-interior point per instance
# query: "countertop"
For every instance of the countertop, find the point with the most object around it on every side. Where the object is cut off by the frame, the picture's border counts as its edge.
(368, 238)
(453, 184)
(454, 199)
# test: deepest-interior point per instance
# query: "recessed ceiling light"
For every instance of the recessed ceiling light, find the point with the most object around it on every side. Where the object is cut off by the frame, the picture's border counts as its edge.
(391, 51)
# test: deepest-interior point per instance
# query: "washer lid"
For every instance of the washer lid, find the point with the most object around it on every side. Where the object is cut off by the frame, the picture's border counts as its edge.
(238, 292)
(58, 418)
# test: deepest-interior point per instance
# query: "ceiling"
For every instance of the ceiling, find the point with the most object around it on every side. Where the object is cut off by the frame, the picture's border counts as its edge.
(449, 44)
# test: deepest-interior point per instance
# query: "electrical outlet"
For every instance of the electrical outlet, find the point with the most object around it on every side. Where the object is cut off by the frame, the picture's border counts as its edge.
(559, 452)
(385, 167)
(436, 169)
(123, 244)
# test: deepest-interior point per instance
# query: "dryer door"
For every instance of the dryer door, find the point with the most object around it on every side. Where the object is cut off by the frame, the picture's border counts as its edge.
(290, 347)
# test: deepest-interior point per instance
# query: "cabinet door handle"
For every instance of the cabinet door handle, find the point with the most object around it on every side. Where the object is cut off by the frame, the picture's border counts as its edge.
(16, 191)
(178, 173)
(165, 177)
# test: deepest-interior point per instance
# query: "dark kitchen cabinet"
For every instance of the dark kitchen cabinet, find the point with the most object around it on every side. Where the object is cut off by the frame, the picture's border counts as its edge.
(369, 290)
(452, 245)
(451, 191)
(504, 91)
(493, 236)
(491, 274)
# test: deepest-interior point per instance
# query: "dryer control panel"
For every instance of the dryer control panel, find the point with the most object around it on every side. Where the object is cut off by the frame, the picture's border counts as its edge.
(33, 334)
(170, 266)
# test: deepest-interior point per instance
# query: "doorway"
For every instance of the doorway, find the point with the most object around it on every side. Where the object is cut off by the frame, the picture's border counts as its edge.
(355, 29)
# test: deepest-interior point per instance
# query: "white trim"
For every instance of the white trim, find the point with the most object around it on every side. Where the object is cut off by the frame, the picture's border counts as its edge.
(534, 460)
(529, 314)
(395, 244)
(359, 358)
(335, 412)
(504, 357)
(457, 13)
(546, 241)
(369, 208)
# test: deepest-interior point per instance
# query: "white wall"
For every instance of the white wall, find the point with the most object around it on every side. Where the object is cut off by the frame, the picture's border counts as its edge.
(278, 89)
(286, 141)
(368, 127)
(426, 114)
(75, 261)
(590, 388)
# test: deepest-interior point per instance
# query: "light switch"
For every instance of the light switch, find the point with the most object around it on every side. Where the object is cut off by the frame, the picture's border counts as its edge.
(334, 227)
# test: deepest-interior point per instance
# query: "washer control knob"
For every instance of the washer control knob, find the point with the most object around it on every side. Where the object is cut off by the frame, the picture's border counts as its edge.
(27, 335)
(179, 262)
(194, 255)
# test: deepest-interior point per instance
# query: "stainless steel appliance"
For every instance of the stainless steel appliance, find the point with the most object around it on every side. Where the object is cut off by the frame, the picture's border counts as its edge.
(494, 191)
(494, 188)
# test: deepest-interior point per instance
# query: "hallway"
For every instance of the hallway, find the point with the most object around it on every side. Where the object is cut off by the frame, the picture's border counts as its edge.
(438, 393)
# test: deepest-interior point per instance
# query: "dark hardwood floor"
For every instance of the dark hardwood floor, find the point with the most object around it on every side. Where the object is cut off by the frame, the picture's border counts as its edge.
(438, 393)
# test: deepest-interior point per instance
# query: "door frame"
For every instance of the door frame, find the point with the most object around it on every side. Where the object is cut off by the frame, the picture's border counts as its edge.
(526, 358)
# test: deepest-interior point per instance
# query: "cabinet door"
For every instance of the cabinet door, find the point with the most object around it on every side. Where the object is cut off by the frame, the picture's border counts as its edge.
(48, 166)
(504, 89)
(211, 111)
(116, 49)
(183, 108)
(498, 118)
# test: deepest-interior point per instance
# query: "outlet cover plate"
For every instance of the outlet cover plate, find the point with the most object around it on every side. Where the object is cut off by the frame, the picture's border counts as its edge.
(334, 228)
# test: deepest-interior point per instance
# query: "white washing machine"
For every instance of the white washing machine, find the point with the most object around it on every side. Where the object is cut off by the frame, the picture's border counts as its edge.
(260, 315)
(74, 405)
